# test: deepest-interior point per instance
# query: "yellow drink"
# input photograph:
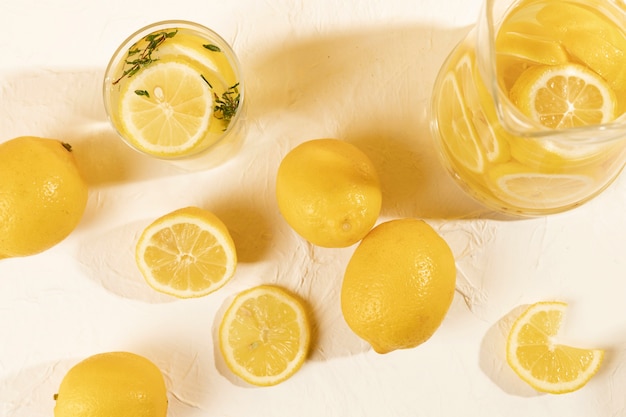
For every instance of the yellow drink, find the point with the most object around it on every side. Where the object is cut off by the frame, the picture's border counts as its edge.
(173, 90)
(529, 121)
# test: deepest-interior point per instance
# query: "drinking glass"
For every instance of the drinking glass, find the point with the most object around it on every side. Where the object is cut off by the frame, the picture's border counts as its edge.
(528, 109)
(174, 90)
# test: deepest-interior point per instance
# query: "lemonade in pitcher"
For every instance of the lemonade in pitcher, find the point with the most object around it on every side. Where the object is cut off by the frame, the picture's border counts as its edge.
(173, 89)
(528, 108)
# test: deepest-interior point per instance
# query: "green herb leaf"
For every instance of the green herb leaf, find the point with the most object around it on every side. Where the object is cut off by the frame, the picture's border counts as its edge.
(145, 54)
(206, 81)
(226, 106)
(142, 93)
(212, 47)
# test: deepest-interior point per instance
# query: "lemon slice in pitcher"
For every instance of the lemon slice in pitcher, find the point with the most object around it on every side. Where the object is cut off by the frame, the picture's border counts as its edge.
(591, 37)
(564, 96)
(166, 109)
(467, 124)
(522, 187)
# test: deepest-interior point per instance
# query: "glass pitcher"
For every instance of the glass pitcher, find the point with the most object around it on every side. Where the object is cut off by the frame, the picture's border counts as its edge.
(528, 110)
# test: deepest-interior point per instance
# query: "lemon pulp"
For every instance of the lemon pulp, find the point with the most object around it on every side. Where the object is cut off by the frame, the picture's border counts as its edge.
(264, 335)
(535, 355)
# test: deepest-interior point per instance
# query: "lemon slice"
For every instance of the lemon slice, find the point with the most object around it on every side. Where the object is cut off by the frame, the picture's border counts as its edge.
(524, 44)
(530, 41)
(564, 96)
(522, 187)
(264, 335)
(591, 37)
(166, 108)
(186, 253)
(555, 153)
(453, 123)
(482, 116)
(534, 354)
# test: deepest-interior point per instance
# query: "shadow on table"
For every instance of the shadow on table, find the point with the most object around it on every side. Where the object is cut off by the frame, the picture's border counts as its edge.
(371, 87)
(30, 392)
(493, 361)
(109, 260)
(310, 79)
(66, 104)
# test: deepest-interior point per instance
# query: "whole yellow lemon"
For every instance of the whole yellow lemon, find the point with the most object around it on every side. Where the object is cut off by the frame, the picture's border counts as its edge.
(328, 191)
(112, 384)
(398, 285)
(42, 195)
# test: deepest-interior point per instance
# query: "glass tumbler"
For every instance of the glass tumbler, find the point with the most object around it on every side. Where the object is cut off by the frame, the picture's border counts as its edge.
(528, 109)
(174, 90)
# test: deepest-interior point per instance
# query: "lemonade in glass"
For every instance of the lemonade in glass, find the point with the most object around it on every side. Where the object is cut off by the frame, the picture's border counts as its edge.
(173, 90)
(528, 110)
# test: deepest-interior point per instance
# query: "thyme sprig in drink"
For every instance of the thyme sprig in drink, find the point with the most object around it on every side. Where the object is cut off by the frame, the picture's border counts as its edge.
(173, 90)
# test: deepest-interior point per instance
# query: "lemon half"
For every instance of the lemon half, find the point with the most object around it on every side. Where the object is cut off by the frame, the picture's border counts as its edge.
(265, 335)
(186, 253)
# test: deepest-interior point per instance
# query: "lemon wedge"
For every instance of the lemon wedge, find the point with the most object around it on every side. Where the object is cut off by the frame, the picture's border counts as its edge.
(536, 357)
(186, 253)
(166, 109)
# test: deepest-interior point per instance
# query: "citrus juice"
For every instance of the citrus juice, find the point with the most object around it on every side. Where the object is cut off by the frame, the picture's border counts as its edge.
(560, 73)
(173, 89)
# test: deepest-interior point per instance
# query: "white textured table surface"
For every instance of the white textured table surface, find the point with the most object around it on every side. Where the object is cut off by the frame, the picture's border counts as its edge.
(357, 70)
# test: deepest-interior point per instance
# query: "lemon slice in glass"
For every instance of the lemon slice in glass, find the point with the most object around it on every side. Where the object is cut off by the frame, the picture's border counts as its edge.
(166, 109)
(186, 253)
(564, 96)
(533, 353)
(264, 335)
